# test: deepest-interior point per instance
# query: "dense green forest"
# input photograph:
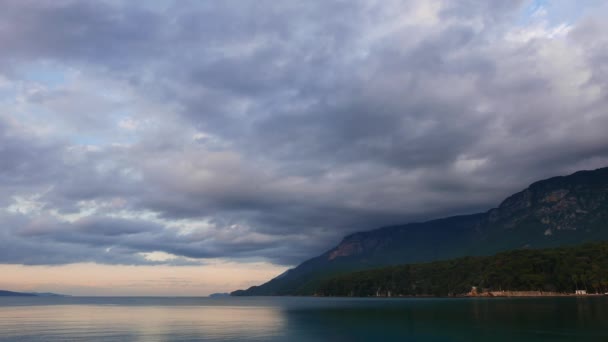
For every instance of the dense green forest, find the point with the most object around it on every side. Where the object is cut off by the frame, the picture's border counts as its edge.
(564, 269)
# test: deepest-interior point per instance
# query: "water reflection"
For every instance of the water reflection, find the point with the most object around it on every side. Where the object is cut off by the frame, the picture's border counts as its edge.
(304, 319)
(140, 323)
(517, 319)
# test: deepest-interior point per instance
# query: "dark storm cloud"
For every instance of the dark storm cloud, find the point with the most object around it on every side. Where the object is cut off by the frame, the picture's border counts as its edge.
(46, 240)
(34, 250)
(266, 129)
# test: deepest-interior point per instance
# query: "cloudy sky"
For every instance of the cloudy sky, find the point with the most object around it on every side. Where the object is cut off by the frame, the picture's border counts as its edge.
(190, 147)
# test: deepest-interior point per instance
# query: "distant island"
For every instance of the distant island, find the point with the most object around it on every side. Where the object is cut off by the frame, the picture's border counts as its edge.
(552, 213)
(219, 295)
(4, 293)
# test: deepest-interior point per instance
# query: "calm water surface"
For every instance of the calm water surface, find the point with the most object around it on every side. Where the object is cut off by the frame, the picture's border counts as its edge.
(302, 319)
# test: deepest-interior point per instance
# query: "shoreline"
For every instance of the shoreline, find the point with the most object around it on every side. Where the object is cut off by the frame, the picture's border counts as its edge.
(492, 294)
(533, 294)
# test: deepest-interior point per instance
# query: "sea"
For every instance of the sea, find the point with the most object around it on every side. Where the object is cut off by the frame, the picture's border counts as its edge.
(302, 319)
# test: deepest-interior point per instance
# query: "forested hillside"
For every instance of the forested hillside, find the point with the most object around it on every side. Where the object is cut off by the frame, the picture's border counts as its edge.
(554, 270)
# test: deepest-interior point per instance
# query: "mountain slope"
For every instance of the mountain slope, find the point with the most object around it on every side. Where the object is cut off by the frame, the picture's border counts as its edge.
(557, 211)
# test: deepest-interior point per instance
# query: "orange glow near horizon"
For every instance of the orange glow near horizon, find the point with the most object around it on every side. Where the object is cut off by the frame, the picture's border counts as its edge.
(87, 279)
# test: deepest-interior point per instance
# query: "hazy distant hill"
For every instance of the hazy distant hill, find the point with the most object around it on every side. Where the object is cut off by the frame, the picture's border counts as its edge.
(219, 295)
(554, 212)
(4, 293)
(15, 294)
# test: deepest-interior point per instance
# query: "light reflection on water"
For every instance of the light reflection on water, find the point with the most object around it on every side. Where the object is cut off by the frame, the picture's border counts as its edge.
(302, 319)
(139, 323)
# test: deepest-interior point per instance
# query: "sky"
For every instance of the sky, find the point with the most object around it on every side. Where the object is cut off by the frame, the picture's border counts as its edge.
(191, 147)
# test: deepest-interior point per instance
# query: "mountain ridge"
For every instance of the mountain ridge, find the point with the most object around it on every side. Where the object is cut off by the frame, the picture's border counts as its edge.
(552, 212)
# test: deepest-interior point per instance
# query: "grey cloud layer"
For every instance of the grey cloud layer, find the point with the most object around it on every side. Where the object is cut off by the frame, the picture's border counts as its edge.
(269, 130)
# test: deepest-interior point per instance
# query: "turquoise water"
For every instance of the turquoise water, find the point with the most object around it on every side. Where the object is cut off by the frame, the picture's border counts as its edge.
(303, 319)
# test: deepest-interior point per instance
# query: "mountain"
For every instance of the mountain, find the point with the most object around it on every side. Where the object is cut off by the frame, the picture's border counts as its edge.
(564, 210)
(15, 294)
(553, 270)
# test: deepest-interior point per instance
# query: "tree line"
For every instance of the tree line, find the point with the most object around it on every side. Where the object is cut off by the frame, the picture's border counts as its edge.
(564, 269)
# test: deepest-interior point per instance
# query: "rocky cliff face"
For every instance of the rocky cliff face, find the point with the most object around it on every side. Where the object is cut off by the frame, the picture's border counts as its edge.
(553, 212)
(575, 202)
(356, 244)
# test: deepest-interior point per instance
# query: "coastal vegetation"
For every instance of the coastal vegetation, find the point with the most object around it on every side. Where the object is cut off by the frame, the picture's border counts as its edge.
(556, 270)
